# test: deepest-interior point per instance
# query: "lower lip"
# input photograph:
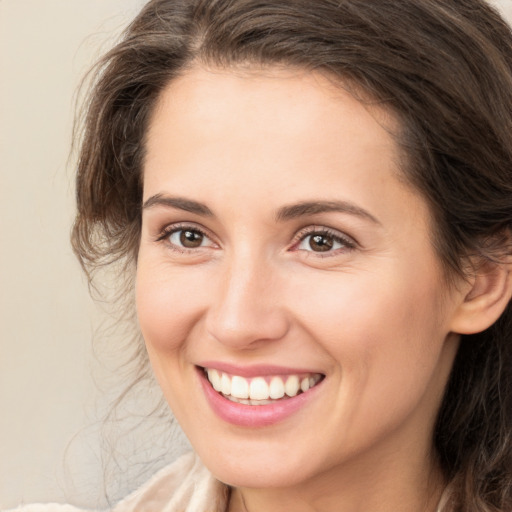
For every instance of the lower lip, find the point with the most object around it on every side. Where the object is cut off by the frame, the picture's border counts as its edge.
(254, 415)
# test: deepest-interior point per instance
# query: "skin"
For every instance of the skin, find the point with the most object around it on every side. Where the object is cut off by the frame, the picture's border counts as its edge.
(374, 314)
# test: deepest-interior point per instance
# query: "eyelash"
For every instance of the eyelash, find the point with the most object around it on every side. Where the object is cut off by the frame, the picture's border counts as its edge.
(348, 243)
(168, 231)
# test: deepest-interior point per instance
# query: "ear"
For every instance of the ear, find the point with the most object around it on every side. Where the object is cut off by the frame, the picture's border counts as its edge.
(484, 298)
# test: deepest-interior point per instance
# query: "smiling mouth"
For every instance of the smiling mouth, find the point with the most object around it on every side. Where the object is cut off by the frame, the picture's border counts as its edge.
(262, 390)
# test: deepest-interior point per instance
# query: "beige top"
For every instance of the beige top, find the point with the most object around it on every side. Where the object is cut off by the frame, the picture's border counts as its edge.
(183, 486)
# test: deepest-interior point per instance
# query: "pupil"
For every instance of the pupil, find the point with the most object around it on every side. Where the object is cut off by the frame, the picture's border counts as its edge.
(191, 239)
(321, 243)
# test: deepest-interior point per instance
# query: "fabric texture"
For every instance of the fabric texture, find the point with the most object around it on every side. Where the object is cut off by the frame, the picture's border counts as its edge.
(183, 486)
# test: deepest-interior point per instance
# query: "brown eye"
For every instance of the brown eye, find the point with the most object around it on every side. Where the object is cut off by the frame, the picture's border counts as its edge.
(321, 243)
(188, 238)
(191, 239)
(324, 241)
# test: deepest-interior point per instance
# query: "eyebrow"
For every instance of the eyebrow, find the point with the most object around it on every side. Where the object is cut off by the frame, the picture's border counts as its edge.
(285, 213)
(179, 203)
(314, 207)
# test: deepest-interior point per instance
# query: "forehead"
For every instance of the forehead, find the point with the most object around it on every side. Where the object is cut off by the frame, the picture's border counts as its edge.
(285, 113)
(307, 93)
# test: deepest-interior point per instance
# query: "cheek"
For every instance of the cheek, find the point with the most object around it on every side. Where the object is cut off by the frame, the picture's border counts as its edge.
(385, 337)
(164, 311)
(167, 307)
(384, 332)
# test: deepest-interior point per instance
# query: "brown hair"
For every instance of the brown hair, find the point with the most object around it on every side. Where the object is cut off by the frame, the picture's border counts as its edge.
(443, 67)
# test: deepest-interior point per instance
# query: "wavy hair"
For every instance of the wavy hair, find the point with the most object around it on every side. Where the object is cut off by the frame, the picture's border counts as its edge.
(443, 67)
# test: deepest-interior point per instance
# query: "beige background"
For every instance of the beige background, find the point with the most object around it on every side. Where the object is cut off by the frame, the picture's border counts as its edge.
(46, 392)
(49, 441)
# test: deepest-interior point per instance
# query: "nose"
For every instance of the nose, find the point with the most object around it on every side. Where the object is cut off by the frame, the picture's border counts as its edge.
(246, 310)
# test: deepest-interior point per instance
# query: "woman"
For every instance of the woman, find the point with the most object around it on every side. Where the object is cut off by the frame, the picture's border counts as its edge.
(315, 199)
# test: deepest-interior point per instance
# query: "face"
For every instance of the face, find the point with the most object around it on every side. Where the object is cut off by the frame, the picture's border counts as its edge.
(294, 311)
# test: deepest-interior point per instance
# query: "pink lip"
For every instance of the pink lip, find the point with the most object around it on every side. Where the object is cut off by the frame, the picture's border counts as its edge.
(258, 370)
(254, 416)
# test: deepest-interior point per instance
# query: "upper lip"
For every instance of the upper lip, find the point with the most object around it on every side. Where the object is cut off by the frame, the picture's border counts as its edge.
(256, 370)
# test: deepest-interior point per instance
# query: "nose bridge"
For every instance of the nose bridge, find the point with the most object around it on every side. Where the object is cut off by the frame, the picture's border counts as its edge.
(246, 309)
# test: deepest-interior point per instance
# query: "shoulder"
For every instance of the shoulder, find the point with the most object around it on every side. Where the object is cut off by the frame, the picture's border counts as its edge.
(185, 485)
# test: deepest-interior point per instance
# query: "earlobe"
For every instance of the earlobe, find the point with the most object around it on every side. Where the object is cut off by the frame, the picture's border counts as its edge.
(484, 299)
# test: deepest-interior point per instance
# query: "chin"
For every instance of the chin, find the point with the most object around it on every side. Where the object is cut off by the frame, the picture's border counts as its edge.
(248, 475)
(260, 469)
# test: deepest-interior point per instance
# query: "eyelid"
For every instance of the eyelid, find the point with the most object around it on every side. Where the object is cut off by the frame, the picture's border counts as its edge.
(169, 229)
(349, 242)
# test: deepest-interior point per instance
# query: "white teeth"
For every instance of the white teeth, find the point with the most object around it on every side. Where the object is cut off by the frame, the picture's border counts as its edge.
(292, 385)
(225, 384)
(239, 387)
(214, 377)
(249, 402)
(259, 389)
(239, 400)
(276, 388)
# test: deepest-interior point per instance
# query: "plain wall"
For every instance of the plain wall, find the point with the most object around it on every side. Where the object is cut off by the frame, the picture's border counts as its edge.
(46, 389)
